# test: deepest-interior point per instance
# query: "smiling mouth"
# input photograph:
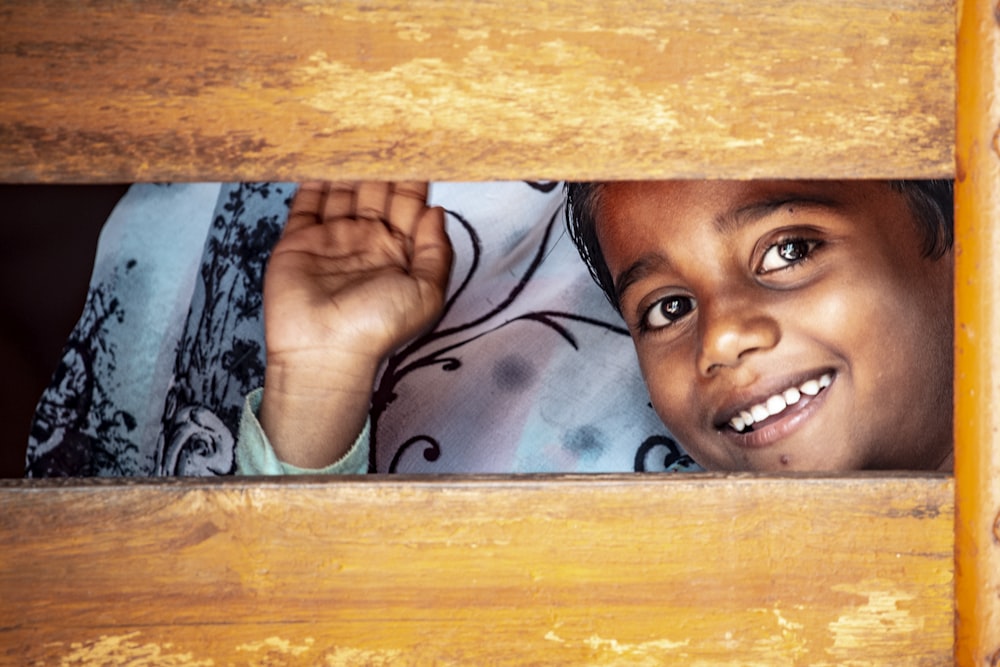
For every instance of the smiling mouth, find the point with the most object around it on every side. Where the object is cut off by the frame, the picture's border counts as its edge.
(776, 404)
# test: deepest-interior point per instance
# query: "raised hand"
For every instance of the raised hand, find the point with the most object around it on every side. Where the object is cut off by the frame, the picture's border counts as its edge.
(360, 269)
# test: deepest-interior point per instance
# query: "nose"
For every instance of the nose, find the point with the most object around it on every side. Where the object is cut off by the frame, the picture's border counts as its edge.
(730, 332)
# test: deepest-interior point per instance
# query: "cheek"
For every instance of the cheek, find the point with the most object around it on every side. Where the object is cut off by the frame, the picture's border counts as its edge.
(675, 400)
(671, 386)
(842, 317)
(917, 333)
(854, 314)
(883, 324)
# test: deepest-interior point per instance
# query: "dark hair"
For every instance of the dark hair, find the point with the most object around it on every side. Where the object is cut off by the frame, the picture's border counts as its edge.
(930, 201)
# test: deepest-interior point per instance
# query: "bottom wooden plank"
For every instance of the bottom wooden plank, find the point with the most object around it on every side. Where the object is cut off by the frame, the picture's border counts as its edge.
(592, 570)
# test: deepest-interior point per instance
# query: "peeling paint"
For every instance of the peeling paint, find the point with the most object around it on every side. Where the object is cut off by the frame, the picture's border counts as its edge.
(879, 621)
(124, 650)
(598, 643)
(431, 93)
(354, 657)
(652, 648)
(788, 640)
(279, 645)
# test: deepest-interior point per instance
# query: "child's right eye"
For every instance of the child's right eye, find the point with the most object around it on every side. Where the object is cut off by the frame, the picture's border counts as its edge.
(666, 311)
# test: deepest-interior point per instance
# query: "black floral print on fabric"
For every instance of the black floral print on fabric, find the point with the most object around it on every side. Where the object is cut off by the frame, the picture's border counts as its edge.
(77, 430)
(219, 356)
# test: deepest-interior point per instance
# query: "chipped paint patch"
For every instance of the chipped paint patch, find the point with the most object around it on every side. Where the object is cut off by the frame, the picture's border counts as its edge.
(788, 640)
(654, 650)
(880, 621)
(355, 657)
(524, 92)
(599, 643)
(278, 645)
(124, 650)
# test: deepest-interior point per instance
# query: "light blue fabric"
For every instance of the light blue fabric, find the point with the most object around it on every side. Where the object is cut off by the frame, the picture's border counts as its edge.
(256, 456)
(529, 370)
(101, 415)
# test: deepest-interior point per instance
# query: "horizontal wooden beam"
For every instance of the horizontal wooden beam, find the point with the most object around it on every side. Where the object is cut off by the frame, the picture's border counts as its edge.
(110, 90)
(495, 570)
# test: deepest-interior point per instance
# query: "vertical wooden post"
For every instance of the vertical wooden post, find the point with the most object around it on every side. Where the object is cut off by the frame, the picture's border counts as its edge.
(977, 366)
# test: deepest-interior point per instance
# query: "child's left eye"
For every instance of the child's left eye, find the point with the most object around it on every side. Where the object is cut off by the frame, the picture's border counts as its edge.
(785, 253)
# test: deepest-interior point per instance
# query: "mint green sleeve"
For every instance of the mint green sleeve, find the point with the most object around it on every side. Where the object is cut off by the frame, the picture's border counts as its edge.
(256, 456)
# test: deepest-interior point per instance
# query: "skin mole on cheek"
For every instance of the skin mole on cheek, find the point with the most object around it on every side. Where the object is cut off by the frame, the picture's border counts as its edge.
(784, 460)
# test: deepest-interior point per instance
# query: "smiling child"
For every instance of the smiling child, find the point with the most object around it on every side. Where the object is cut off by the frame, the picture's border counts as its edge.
(779, 325)
(785, 325)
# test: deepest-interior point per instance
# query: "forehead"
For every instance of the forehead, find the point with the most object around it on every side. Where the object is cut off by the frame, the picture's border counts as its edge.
(631, 199)
(632, 214)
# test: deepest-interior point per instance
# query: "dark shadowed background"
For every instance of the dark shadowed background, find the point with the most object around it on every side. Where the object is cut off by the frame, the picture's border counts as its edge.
(48, 238)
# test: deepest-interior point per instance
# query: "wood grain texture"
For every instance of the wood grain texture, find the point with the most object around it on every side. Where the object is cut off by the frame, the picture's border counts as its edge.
(977, 337)
(594, 570)
(110, 90)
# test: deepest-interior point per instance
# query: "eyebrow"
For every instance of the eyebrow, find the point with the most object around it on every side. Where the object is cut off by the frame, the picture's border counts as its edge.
(740, 216)
(726, 223)
(644, 266)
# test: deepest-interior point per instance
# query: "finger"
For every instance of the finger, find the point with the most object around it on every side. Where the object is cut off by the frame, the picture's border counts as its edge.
(339, 200)
(370, 200)
(407, 203)
(306, 206)
(432, 252)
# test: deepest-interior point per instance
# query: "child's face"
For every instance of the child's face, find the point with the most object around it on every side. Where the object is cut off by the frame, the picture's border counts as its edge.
(806, 306)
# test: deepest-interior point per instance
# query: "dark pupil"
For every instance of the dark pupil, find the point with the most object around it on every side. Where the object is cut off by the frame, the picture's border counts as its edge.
(676, 308)
(793, 250)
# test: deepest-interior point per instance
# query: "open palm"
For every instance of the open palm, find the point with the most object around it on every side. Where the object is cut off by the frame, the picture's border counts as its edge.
(360, 270)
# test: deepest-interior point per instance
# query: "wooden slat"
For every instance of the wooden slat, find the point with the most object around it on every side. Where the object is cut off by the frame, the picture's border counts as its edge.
(527, 570)
(977, 340)
(111, 90)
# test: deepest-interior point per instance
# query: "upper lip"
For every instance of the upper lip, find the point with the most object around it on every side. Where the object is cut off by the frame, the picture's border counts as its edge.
(744, 399)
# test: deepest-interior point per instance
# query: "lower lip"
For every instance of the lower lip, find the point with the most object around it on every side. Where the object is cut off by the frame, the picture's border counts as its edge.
(787, 423)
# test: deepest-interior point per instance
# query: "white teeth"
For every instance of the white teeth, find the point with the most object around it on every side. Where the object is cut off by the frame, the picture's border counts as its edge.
(776, 404)
(810, 388)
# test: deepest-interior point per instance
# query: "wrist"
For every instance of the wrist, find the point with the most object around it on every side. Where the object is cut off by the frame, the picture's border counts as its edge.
(313, 410)
(316, 376)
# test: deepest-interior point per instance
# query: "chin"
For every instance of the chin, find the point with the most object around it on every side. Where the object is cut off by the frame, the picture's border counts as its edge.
(796, 460)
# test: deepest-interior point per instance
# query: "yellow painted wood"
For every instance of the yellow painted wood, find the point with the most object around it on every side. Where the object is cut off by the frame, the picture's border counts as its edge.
(977, 368)
(110, 90)
(597, 570)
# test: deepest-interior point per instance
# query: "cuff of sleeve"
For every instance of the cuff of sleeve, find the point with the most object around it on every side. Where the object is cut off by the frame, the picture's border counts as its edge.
(256, 456)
